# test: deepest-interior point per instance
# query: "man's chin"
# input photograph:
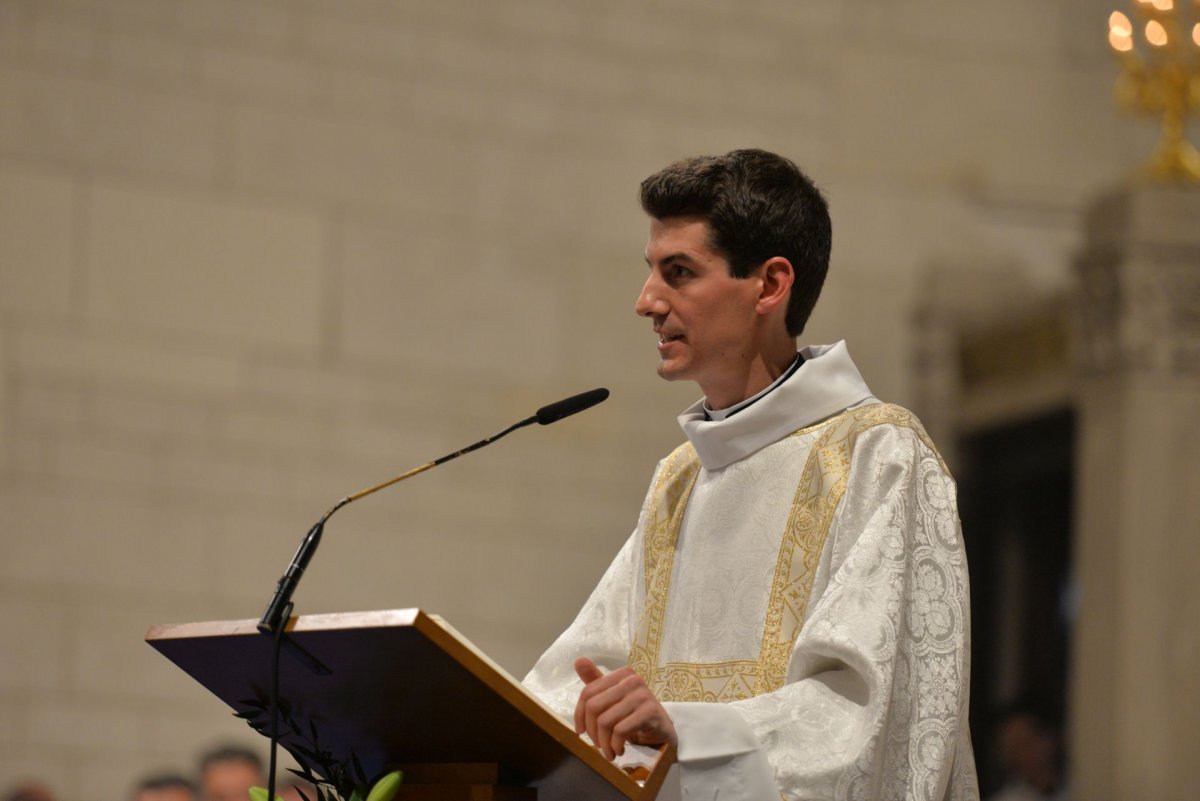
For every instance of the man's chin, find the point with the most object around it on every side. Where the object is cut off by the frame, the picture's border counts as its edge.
(670, 372)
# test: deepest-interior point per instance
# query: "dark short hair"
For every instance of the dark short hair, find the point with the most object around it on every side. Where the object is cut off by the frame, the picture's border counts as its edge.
(759, 205)
(166, 781)
(231, 753)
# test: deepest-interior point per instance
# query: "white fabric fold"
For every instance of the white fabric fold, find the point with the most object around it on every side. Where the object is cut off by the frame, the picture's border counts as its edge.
(713, 731)
(719, 755)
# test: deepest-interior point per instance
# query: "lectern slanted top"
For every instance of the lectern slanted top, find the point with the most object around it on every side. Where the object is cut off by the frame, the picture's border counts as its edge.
(401, 687)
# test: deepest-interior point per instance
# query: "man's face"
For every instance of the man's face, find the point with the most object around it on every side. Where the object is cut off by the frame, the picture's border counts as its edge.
(229, 780)
(705, 318)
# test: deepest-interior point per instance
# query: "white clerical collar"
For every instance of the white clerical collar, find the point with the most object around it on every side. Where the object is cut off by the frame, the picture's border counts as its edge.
(825, 384)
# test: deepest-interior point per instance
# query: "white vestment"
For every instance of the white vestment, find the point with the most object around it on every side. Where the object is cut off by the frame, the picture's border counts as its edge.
(796, 595)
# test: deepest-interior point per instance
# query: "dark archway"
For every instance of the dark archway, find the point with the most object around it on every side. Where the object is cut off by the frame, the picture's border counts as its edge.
(1016, 489)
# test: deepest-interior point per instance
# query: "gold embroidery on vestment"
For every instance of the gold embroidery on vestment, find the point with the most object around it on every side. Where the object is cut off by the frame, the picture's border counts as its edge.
(663, 521)
(818, 493)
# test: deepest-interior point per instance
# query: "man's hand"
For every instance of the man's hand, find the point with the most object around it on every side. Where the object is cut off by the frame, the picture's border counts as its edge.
(617, 708)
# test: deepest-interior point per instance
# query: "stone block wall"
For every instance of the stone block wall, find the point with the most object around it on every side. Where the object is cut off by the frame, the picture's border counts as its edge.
(257, 254)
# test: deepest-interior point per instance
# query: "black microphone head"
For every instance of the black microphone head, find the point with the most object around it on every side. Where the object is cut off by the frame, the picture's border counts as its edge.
(569, 406)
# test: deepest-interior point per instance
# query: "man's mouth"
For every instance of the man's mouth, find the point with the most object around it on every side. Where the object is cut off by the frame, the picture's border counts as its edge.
(665, 338)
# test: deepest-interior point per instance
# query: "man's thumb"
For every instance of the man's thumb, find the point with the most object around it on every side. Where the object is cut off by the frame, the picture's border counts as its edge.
(586, 670)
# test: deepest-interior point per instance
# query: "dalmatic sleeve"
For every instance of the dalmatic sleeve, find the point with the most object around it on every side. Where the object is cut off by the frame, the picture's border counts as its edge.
(601, 631)
(875, 702)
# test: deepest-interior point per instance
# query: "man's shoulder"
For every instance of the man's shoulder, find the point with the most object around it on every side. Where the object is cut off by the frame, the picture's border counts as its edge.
(869, 415)
(863, 417)
(683, 459)
(872, 421)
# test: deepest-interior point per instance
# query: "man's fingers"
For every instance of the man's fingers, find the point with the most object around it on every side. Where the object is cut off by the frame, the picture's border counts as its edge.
(626, 730)
(588, 672)
(615, 725)
(594, 698)
(648, 724)
(597, 699)
(594, 687)
(606, 708)
(616, 708)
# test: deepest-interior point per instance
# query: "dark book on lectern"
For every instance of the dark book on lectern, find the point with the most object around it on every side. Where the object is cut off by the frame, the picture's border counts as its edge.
(395, 688)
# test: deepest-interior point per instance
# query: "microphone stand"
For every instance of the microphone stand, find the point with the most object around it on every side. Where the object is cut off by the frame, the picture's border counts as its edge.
(279, 609)
(275, 615)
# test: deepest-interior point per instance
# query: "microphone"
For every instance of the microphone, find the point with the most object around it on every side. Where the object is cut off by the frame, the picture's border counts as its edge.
(569, 406)
(281, 602)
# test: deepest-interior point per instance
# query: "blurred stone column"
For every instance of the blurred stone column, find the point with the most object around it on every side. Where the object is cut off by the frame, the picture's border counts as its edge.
(1135, 719)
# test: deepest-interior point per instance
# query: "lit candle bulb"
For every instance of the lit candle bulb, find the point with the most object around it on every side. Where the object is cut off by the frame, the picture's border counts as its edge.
(1156, 34)
(1120, 39)
(1120, 25)
(1122, 43)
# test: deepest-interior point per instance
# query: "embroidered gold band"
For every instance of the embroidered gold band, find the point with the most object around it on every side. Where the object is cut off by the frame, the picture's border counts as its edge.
(818, 493)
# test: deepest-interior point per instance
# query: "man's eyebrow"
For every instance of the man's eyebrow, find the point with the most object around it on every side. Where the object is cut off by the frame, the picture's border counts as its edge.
(670, 257)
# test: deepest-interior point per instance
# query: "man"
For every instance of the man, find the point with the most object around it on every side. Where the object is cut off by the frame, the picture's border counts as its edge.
(228, 772)
(164, 787)
(791, 611)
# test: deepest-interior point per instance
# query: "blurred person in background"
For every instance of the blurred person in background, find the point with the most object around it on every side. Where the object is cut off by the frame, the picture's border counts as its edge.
(30, 790)
(1029, 755)
(164, 787)
(228, 772)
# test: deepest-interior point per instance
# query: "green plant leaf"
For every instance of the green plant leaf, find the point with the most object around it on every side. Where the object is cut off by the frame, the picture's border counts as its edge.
(386, 788)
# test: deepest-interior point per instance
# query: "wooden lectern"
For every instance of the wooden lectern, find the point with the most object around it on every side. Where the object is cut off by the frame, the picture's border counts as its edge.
(403, 689)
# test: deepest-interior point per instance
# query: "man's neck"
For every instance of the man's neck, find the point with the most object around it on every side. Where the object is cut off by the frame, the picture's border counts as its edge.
(759, 376)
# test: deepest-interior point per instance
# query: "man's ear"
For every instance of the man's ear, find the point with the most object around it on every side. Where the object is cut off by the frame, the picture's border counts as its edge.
(777, 279)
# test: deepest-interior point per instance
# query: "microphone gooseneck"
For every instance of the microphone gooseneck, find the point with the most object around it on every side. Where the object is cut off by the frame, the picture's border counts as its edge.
(274, 617)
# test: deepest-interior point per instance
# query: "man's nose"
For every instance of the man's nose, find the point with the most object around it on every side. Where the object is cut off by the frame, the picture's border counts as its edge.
(651, 301)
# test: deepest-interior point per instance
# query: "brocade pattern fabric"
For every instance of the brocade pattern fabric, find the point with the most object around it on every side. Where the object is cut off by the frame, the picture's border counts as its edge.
(817, 586)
